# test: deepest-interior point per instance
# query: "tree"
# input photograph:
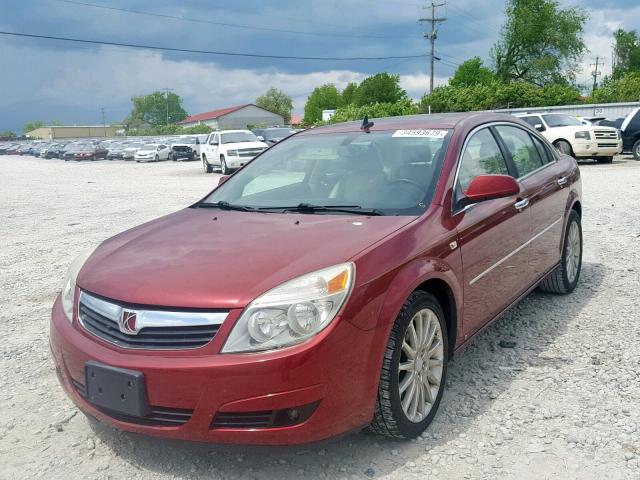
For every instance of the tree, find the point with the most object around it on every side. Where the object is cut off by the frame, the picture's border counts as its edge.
(626, 51)
(540, 42)
(472, 72)
(380, 88)
(56, 122)
(152, 109)
(377, 110)
(350, 93)
(625, 89)
(276, 101)
(29, 126)
(7, 134)
(325, 97)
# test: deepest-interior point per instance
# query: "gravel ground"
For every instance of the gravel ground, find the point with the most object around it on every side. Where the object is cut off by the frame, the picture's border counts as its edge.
(564, 403)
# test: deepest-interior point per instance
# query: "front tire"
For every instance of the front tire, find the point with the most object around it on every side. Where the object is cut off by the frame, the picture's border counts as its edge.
(414, 369)
(563, 147)
(565, 277)
(224, 170)
(205, 165)
(636, 150)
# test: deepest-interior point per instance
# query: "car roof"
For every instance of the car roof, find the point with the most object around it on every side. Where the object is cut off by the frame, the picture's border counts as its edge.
(407, 122)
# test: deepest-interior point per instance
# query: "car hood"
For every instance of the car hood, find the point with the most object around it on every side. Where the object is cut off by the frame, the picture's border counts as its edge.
(242, 145)
(210, 258)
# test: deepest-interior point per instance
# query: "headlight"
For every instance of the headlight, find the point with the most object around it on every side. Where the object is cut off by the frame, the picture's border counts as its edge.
(232, 153)
(69, 288)
(584, 134)
(292, 312)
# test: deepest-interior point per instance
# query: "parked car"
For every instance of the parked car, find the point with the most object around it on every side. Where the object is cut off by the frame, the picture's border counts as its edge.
(630, 132)
(7, 147)
(26, 149)
(273, 134)
(184, 148)
(129, 152)
(59, 150)
(152, 152)
(85, 152)
(228, 150)
(572, 137)
(116, 151)
(294, 304)
(15, 149)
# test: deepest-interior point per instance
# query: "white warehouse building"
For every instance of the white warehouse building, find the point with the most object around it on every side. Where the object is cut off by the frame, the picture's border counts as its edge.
(234, 118)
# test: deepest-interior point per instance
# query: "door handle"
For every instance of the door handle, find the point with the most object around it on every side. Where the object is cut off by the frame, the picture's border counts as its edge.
(562, 181)
(521, 204)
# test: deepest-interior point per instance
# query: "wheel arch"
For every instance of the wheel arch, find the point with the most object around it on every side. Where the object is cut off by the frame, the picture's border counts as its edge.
(445, 297)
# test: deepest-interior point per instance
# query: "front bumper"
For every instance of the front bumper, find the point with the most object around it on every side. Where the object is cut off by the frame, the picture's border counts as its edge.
(334, 371)
(237, 162)
(596, 148)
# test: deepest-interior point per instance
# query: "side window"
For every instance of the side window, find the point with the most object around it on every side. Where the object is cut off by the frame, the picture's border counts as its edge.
(524, 154)
(481, 156)
(545, 154)
(533, 121)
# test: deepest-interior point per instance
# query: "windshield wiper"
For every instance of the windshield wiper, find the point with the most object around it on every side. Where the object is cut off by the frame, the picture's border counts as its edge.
(311, 208)
(226, 206)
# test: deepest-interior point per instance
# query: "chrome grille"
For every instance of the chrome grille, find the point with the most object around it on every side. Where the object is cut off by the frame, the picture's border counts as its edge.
(249, 152)
(607, 145)
(158, 330)
(606, 134)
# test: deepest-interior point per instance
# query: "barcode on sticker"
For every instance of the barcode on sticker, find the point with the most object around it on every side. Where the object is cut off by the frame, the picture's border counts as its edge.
(420, 133)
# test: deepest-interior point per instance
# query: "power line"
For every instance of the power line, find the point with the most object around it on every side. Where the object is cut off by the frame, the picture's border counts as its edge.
(205, 52)
(432, 35)
(227, 24)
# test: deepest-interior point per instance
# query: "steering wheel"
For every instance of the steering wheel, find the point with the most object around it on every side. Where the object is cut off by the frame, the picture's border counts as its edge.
(408, 182)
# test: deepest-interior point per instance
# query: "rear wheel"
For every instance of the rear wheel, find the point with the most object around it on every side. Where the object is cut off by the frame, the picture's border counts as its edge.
(563, 147)
(636, 150)
(205, 165)
(566, 275)
(414, 369)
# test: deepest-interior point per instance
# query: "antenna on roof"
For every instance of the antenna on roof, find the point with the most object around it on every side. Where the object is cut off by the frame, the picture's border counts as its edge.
(366, 124)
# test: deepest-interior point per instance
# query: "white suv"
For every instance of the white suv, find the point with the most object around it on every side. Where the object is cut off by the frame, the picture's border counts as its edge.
(229, 149)
(571, 137)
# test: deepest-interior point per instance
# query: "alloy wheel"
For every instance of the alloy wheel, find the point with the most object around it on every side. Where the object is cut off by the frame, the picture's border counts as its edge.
(421, 365)
(572, 253)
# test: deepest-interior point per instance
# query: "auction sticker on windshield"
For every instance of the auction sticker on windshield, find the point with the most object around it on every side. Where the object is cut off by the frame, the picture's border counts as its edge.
(420, 133)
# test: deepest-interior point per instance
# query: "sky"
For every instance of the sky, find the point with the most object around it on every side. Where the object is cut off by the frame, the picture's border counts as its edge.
(52, 80)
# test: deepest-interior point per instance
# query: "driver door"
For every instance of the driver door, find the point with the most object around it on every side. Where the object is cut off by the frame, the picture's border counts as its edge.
(492, 236)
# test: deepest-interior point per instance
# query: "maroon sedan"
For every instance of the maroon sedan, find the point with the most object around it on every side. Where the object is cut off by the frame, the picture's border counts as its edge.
(323, 287)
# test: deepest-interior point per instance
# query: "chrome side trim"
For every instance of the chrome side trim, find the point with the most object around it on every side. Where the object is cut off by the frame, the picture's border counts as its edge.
(524, 245)
(152, 318)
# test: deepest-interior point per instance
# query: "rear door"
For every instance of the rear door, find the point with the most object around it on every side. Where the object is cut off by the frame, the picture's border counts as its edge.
(492, 236)
(543, 180)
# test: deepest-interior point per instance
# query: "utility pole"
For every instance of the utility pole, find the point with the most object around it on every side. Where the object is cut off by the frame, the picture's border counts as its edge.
(104, 123)
(166, 89)
(432, 36)
(595, 73)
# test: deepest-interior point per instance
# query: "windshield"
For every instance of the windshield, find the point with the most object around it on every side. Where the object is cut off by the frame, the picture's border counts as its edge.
(149, 146)
(238, 137)
(186, 140)
(392, 172)
(561, 120)
(277, 133)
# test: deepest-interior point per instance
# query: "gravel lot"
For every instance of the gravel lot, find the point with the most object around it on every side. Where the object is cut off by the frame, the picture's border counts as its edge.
(564, 403)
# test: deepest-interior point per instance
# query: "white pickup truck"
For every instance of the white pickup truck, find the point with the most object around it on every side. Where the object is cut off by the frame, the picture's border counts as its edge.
(228, 150)
(571, 137)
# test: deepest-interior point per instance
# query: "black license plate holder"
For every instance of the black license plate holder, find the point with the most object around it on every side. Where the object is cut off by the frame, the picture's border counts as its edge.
(116, 389)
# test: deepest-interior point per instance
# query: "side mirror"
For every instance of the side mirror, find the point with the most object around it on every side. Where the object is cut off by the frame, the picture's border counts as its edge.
(489, 187)
(223, 179)
(539, 127)
(260, 138)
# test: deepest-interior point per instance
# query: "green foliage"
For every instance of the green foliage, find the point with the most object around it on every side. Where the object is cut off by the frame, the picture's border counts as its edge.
(325, 97)
(498, 95)
(350, 93)
(276, 101)
(376, 110)
(8, 134)
(627, 53)
(380, 88)
(171, 129)
(472, 72)
(152, 109)
(624, 89)
(56, 123)
(29, 126)
(540, 42)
